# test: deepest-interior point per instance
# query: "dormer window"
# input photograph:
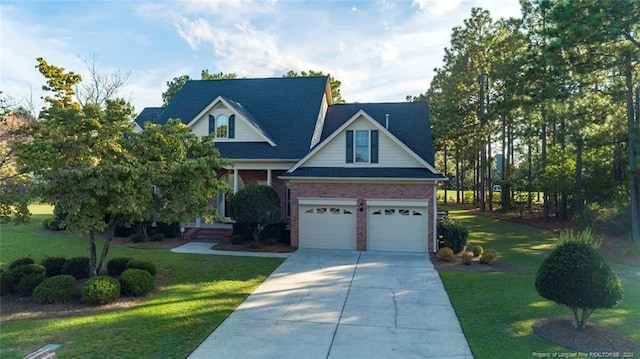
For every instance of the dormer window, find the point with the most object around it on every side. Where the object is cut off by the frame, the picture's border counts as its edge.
(222, 126)
(362, 146)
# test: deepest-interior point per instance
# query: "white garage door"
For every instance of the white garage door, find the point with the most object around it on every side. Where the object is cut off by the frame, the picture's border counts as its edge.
(397, 228)
(328, 226)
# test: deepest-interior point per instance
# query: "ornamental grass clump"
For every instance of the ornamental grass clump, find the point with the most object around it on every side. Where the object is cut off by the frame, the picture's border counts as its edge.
(575, 274)
(467, 257)
(488, 257)
(446, 254)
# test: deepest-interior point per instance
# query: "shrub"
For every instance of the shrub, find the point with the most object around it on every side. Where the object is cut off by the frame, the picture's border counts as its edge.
(157, 237)
(5, 282)
(455, 235)
(54, 265)
(477, 250)
(575, 274)
(100, 290)
(169, 230)
(256, 206)
(117, 265)
(27, 284)
(488, 257)
(467, 257)
(56, 289)
(144, 265)
(446, 254)
(136, 237)
(271, 241)
(20, 262)
(15, 275)
(77, 267)
(136, 282)
(236, 239)
(53, 224)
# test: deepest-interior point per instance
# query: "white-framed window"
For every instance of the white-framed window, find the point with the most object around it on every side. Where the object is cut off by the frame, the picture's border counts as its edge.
(362, 146)
(222, 126)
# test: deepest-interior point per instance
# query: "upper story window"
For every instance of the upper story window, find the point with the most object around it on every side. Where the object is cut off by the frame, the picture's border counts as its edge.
(222, 126)
(362, 146)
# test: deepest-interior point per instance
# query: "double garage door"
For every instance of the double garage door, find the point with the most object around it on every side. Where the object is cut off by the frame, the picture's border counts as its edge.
(390, 226)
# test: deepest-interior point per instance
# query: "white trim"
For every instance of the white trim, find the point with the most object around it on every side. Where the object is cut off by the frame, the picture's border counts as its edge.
(314, 201)
(358, 179)
(422, 203)
(269, 181)
(435, 217)
(226, 104)
(362, 113)
(260, 165)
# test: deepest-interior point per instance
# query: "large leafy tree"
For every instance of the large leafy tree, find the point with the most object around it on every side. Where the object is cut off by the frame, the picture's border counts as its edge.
(88, 162)
(176, 84)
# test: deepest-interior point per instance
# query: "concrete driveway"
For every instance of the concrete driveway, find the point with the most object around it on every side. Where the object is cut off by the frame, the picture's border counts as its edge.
(343, 304)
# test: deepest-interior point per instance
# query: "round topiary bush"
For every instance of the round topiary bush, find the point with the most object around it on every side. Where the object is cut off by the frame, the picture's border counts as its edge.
(5, 282)
(15, 275)
(21, 262)
(157, 237)
(78, 267)
(27, 284)
(100, 290)
(117, 265)
(488, 257)
(54, 265)
(55, 290)
(136, 237)
(467, 257)
(575, 274)
(236, 239)
(446, 254)
(144, 265)
(477, 250)
(136, 282)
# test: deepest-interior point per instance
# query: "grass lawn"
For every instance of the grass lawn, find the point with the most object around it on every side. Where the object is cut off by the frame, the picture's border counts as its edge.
(496, 310)
(202, 291)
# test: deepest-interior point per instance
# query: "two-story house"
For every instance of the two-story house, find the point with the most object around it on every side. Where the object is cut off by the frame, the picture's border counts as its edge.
(349, 176)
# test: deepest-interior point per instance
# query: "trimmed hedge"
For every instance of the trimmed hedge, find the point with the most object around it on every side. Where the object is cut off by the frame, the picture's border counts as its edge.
(15, 275)
(136, 282)
(117, 265)
(141, 264)
(20, 262)
(455, 235)
(56, 289)
(78, 267)
(27, 284)
(54, 265)
(100, 290)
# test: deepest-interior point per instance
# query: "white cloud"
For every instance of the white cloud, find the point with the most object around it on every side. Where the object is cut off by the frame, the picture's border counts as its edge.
(437, 7)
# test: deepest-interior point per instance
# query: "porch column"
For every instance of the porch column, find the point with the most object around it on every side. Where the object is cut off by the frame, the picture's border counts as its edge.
(269, 178)
(235, 180)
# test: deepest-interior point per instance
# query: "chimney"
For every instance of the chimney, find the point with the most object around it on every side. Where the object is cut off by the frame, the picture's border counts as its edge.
(386, 121)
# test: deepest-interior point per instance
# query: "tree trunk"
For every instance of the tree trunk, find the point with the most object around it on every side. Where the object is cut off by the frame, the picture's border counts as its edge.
(105, 250)
(580, 144)
(543, 157)
(633, 171)
(92, 254)
(445, 173)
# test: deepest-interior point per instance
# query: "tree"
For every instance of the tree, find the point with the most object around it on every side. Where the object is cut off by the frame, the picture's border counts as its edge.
(335, 84)
(173, 87)
(219, 76)
(575, 274)
(100, 86)
(256, 207)
(88, 161)
(14, 199)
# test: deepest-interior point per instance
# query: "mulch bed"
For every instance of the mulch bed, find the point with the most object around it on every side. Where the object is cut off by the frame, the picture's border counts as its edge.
(475, 266)
(593, 339)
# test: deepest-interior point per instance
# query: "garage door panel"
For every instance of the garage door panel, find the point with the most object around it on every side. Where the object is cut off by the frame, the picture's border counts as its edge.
(397, 229)
(328, 227)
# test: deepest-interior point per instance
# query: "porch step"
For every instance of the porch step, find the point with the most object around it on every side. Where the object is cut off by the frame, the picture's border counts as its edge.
(209, 234)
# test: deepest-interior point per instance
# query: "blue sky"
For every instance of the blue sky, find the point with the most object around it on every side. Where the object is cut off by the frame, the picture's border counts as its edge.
(380, 50)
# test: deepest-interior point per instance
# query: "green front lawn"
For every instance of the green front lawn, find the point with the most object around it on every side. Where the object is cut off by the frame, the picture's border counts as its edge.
(496, 310)
(202, 291)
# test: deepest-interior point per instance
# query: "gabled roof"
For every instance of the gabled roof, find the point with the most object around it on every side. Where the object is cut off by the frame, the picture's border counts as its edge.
(148, 114)
(409, 122)
(285, 108)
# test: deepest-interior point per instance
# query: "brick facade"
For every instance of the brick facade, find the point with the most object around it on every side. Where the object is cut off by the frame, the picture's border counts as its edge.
(361, 192)
(250, 177)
